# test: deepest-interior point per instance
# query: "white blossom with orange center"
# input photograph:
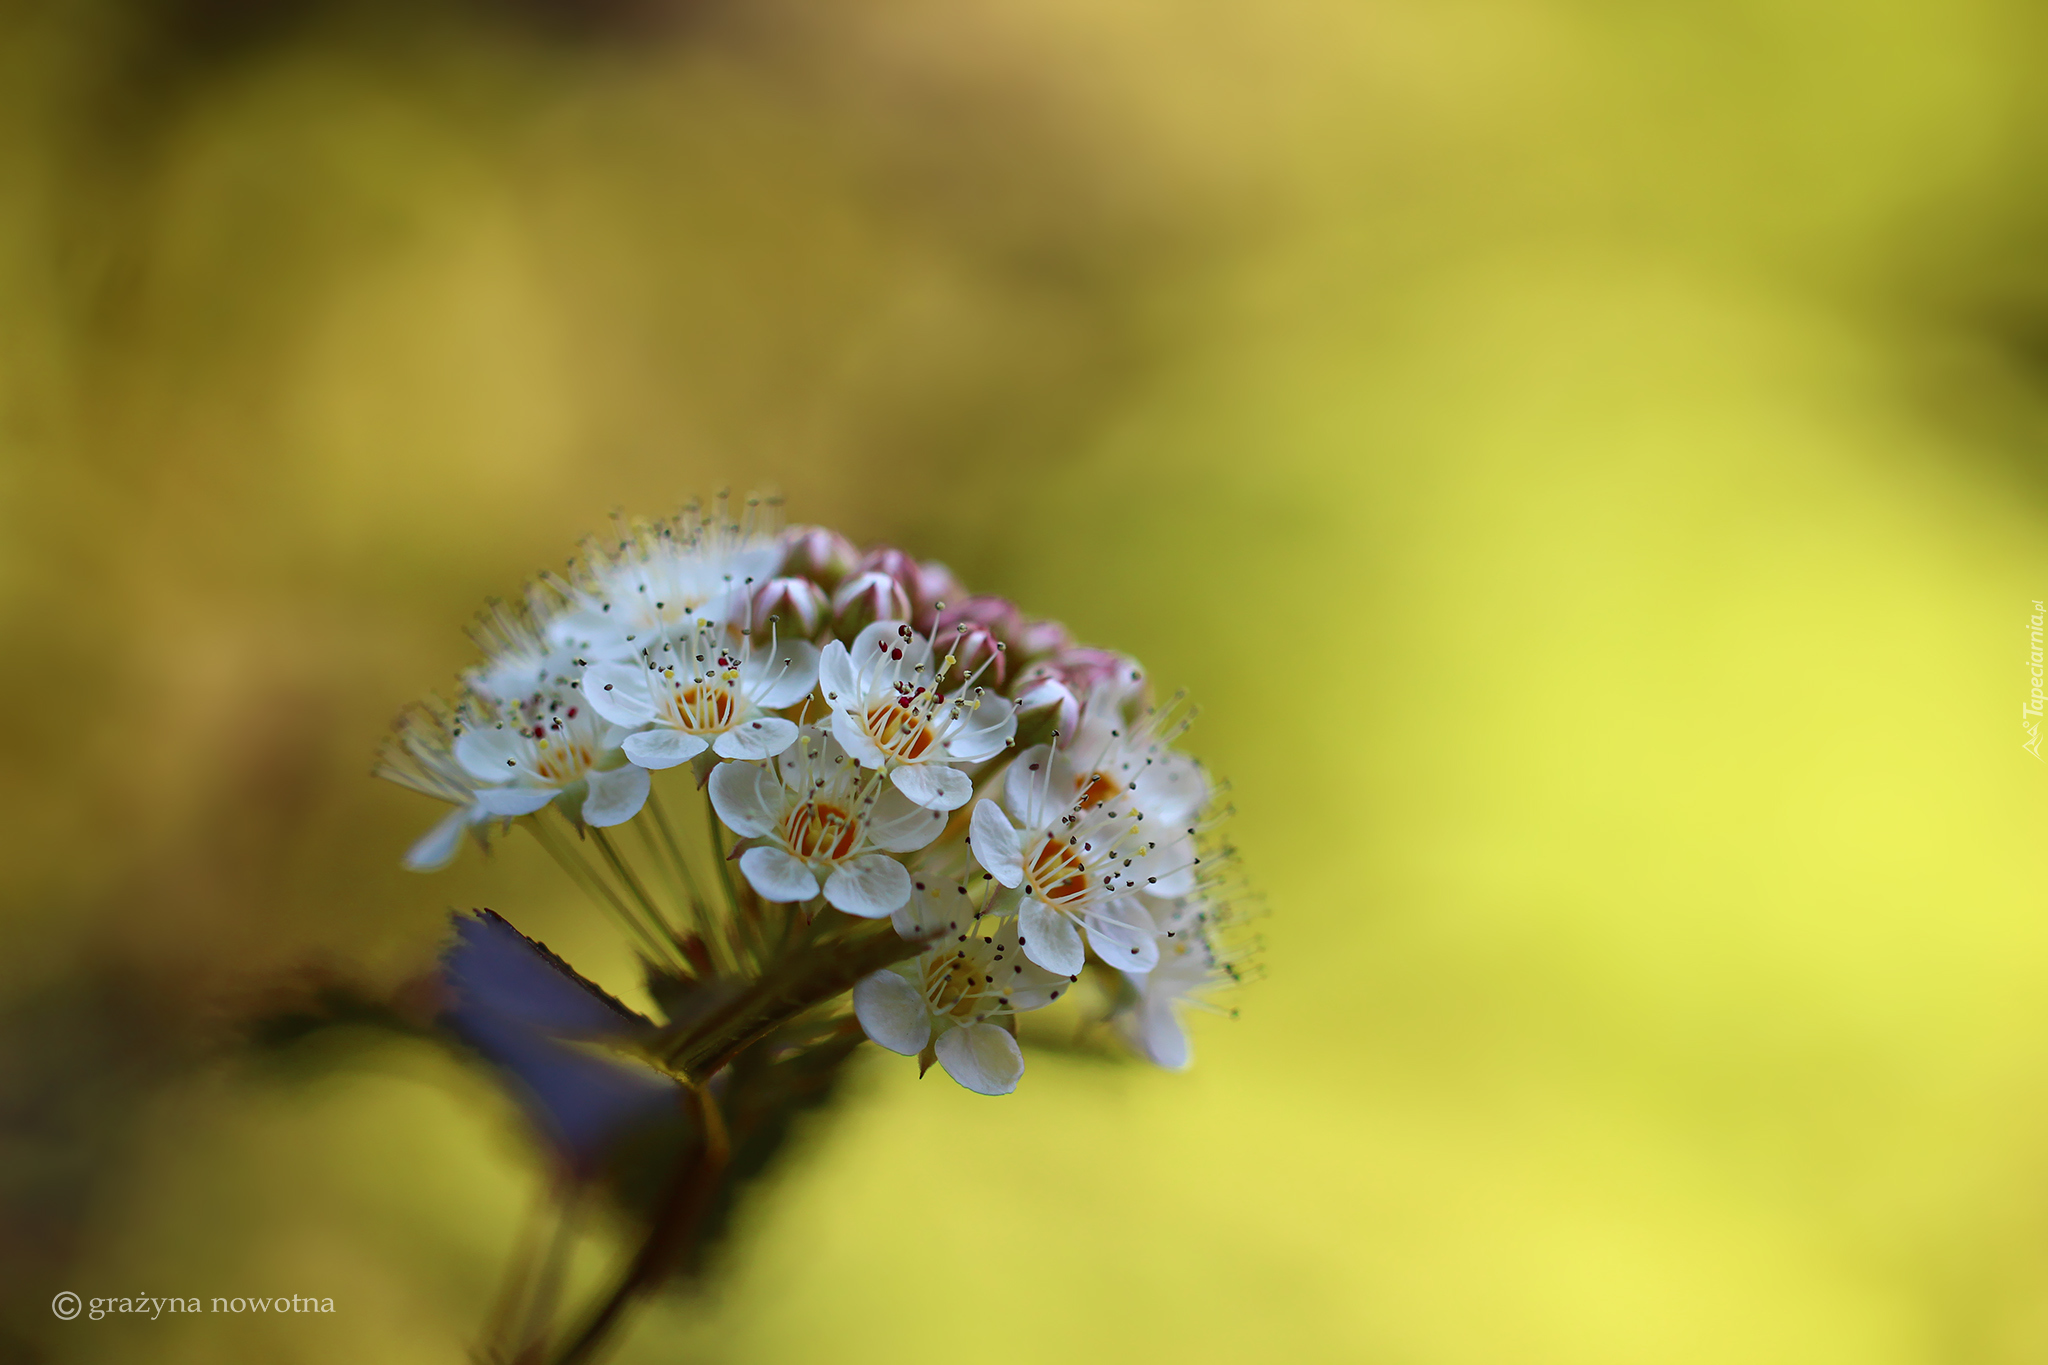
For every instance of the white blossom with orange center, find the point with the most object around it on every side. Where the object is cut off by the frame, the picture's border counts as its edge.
(708, 689)
(1083, 866)
(526, 753)
(1122, 751)
(949, 998)
(819, 819)
(899, 708)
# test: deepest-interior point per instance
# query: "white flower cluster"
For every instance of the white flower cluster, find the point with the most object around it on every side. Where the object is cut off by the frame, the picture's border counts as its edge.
(873, 740)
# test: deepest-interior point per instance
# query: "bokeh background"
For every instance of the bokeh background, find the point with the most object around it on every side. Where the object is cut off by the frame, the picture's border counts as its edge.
(1590, 460)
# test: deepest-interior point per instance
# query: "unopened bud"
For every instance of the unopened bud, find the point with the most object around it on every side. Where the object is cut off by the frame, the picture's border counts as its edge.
(924, 585)
(823, 556)
(800, 605)
(867, 598)
(1035, 638)
(1097, 678)
(981, 631)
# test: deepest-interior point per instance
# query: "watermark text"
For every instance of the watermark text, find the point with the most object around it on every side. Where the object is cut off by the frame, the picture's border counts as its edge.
(68, 1305)
(2030, 714)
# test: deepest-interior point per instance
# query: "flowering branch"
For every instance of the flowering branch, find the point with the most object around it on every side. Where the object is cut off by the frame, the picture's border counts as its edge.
(925, 815)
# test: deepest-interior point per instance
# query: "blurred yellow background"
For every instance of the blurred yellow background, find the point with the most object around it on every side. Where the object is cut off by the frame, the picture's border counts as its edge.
(1589, 461)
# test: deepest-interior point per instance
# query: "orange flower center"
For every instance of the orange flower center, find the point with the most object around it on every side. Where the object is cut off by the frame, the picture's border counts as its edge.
(817, 830)
(899, 731)
(953, 985)
(1056, 872)
(703, 708)
(1096, 789)
(559, 761)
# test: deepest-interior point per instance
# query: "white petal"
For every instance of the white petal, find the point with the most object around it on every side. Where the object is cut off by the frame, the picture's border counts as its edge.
(871, 661)
(995, 844)
(982, 1057)
(777, 876)
(984, 731)
(892, 1012)
(1121, 934)
(1022, 982)
(867, 646)
(506, 802)
(869, 886)
(835, 676)
(490, 754)
(594, 629)
(898, 825)
(784, 677)
(1161, 1038)
(436, 848)
(1039, 787)
(763, 737)
(1050, 938)
(852, 734)
(1169, 869)
(747, 798)
(933, 785)
(918, 917)
(615, 796)
(662, 748)
(1171, 789)
(618, 692)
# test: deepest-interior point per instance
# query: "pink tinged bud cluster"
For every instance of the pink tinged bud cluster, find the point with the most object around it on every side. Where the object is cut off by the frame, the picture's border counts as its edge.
(853, 722)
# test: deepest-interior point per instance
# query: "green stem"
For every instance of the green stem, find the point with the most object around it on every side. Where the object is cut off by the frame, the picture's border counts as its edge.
(722, 954)
(587, 878)
(699, 1051)
(624, 873)
(732, 895)
(743, 925)
(675, 853)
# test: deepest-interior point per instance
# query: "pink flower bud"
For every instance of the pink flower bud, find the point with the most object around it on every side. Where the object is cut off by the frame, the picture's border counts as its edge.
(924, 585)
(800, 606)
(821, 555)
(1080, 677)
(934, 584)
(977, 632)
(1040, 694)
(1040, 637)
(1086, 670)
(997, 615)
(866, 598)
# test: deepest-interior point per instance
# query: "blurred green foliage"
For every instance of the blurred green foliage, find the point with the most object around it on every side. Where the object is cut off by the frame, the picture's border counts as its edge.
(1587, 458)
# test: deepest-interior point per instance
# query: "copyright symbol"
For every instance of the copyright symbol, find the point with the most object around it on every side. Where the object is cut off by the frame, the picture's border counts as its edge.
(65, 1305)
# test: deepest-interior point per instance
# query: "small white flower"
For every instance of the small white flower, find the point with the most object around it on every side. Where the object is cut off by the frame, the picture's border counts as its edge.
(520, 659)
(890, 710)
(1118, 756)
(948, 997)
(526, 753)
(420, 755)
(1082, 866)
(819, 818)
(702, 691)
(662, 581)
